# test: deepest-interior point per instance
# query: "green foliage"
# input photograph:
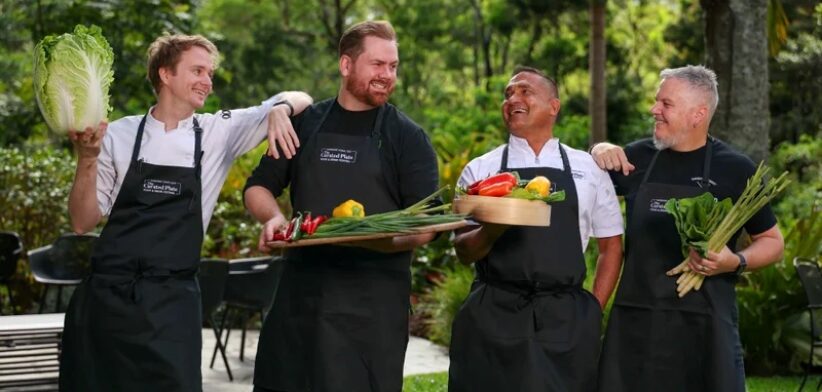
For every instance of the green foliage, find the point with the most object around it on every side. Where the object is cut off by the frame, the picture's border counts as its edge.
(433, 382)
(774, 293)
(438, 382)
(444, 300)
(35, 181)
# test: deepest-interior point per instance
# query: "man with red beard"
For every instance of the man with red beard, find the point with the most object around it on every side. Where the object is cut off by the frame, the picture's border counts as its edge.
(655, 340)
(340, 318)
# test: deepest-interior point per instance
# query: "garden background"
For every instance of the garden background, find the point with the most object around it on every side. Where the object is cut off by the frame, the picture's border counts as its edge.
(455, 58)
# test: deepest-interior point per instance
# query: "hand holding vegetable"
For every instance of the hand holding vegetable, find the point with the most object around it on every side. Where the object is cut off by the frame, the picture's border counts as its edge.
(87, 143)
(713, 263)
(695, 225)
(274, 225)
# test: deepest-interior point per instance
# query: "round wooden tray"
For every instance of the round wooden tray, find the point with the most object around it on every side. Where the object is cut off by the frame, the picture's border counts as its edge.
(504, 210)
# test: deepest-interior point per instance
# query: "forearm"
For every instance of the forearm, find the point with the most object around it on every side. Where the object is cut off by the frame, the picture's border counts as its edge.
(396, 244)
(83, 208)
(475, 244)
(261, 204)
(609, 264)
(765, 249)
(297, 99)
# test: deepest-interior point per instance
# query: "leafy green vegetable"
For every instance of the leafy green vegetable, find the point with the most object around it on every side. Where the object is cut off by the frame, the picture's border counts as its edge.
(72, 76)
(522, 193)
(696, 218)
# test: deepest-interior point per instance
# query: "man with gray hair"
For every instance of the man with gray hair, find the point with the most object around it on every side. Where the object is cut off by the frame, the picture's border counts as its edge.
(654, 339)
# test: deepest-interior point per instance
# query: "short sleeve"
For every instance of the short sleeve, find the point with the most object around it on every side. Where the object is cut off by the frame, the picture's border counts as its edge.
(606, 216)
(417, 167)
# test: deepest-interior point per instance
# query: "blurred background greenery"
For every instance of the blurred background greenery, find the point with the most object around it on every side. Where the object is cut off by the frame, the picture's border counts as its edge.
(455, 59)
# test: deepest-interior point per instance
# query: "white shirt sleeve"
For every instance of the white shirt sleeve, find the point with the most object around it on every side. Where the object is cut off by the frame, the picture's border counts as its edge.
(248, 127)
(606, 215)
(106, 176)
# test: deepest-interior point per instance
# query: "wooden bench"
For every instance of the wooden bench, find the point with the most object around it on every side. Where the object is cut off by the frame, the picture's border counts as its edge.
(30, 351)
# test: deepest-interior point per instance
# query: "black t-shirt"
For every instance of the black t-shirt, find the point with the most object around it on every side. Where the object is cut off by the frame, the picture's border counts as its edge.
(729, 173)
(409, 162)
(349, 123)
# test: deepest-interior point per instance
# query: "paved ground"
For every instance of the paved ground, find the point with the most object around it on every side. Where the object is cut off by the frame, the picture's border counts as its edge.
(422, 357)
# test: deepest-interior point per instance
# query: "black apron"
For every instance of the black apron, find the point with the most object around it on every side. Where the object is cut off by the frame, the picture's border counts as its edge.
(340, 318)
(134, 324)
(528, 325)
(656, 341)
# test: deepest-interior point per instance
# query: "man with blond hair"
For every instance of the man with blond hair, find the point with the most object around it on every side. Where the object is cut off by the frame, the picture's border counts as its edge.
(340, 318)
(656, 341)
(134, 324)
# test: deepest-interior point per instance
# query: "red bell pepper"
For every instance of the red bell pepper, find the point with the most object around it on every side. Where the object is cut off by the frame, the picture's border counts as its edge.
(494, 185)
(496, 190)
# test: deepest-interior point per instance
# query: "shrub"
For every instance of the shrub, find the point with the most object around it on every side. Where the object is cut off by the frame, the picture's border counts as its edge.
(442, 302)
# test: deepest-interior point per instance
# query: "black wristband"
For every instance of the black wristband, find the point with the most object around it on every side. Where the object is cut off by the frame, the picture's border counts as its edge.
(286, 103)
(743, 264)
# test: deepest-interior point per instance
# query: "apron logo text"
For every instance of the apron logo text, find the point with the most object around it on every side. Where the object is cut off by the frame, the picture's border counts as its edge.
(338, 155)
(162, 187)
(658, 205)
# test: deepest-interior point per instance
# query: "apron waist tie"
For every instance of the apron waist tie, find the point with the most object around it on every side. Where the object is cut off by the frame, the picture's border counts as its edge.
(530, 290)
(126, 285)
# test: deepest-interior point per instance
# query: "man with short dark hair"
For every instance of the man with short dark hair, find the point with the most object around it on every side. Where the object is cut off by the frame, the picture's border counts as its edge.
(655, 340)
(528, 325)
(340, 318)
(134, 324)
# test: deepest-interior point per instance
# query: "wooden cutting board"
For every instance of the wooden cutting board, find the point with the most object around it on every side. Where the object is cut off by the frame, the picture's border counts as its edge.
(336, 240)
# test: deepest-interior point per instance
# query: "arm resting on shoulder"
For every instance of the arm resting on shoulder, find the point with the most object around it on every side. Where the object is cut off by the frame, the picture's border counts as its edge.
(609, 264)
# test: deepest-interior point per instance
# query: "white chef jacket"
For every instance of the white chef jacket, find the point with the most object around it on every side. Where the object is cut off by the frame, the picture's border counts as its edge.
(599, 212)
(224, 138)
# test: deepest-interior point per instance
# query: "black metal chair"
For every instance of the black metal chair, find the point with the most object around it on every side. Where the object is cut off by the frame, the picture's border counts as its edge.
(212, 278)
(66, 262)
(250, 289)
(810, 275)
(10, 249)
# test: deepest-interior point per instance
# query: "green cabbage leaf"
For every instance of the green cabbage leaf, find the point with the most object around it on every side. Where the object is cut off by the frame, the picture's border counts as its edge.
(72, 76)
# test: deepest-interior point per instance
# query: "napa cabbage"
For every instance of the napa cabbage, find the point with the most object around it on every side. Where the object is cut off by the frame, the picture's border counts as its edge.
(72, 76)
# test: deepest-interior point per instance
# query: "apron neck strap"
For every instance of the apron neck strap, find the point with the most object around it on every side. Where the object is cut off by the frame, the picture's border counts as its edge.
(198, 137)
(198, 151)
(705, 182)
(503, 166)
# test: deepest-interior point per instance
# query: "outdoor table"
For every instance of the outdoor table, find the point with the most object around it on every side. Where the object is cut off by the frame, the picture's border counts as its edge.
(30, 350)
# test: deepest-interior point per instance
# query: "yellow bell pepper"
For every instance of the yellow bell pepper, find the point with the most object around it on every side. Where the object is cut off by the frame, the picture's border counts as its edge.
(349, 209)
(539, 185)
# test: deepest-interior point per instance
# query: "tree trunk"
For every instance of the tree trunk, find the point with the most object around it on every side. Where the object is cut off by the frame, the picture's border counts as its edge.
(596, 68)
(736, 43)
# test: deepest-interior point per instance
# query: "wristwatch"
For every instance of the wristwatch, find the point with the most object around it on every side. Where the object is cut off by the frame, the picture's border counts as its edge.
(743, 264)
(286, 103)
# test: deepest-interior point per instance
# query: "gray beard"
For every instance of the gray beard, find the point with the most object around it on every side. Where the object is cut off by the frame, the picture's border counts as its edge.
(660, 144)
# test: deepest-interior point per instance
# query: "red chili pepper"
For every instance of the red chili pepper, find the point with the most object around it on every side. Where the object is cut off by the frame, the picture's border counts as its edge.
(496, 190)
(315, 223)
(304, 227)
(279, 236)
(290, 230)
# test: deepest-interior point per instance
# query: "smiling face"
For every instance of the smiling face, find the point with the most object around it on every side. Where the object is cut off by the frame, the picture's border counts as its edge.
(369, 79)
(530, 104)
(678, 113)
(189, 84)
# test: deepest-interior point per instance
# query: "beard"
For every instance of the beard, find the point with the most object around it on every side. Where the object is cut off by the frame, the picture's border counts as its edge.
(661, 143)
(359, 88)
